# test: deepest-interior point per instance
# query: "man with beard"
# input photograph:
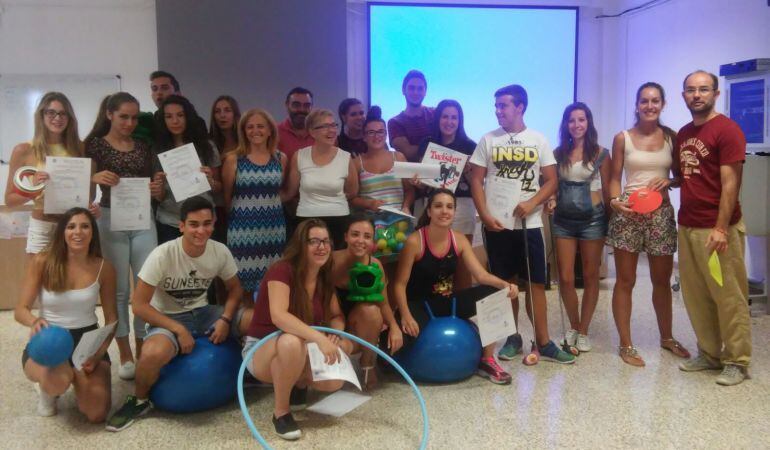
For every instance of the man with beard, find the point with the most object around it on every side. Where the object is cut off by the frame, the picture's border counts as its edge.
(292, 135)
(509, 159)
(710, 154)
(412, 125)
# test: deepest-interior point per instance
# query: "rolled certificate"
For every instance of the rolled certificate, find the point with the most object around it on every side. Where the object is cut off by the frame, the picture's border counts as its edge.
(23, 181)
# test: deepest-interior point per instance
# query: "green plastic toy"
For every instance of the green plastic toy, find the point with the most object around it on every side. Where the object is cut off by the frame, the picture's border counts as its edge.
(365, 283)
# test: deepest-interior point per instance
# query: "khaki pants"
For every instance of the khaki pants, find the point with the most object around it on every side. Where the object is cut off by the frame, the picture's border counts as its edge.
(719, 315)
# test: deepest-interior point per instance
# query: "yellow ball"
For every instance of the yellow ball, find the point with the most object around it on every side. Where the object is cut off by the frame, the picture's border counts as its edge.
(382, 244)
(400, 236)
(402, 225)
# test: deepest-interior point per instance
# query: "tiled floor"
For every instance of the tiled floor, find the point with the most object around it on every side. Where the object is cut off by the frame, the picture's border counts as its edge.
(597, 403)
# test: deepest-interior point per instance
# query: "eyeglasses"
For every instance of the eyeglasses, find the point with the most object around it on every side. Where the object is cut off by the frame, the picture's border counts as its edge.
(701, 90)
(316, 242)
(327, 126)
(52, 114)
(372, 133)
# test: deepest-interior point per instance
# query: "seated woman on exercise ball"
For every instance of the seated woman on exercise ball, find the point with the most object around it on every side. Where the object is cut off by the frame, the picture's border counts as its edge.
(296, 292)
(364, 316)
(426, 271)
(68, 277)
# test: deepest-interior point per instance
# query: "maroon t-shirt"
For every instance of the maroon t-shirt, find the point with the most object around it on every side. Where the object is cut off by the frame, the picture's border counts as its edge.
(261, 323)
(701, 151)
(414, 128)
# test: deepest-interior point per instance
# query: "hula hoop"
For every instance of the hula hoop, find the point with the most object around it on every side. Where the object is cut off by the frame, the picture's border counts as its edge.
(250, 355)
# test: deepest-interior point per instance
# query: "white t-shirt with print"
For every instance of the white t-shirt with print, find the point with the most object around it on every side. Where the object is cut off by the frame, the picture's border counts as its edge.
(180, 280)
(519, 157)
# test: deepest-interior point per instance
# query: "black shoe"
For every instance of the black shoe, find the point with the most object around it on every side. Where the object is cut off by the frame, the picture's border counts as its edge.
(286, 427)
(298, 399)
(128, 413)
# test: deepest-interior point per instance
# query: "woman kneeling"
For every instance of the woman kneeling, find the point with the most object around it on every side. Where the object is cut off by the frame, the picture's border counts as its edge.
(295, 293)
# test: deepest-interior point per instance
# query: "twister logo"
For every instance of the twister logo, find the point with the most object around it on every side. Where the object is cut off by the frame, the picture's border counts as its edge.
(516, 163)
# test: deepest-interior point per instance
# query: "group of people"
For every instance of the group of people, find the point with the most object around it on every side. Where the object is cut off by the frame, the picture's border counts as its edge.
(290, 213)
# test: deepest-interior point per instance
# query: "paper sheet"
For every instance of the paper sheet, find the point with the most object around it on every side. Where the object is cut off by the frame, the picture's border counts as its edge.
(715, 268)
(90, 343)
(342, 370)
(395, 211)
(183, 172)
(69, 185)
(130, 207)
(410, 169)
(502, 198)
(339, 403)
(20, 221)
(494, 317)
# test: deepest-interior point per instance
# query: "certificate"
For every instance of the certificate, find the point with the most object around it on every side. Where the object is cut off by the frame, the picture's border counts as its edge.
(130, 205)
(392, 210)
(90, 343)
(451, 165)
(341, 370)
(183, 172)
(410, 169)
(69, 185)
(502, 197)
(494, 316)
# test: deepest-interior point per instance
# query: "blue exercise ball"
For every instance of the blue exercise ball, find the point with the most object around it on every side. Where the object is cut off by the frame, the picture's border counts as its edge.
(203, 379)
(51, 346)
(448, 349)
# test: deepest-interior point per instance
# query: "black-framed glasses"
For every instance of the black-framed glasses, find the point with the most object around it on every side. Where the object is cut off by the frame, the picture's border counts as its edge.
(372, 133)
(703, 90)
(52, 114)
(327, 126)
(317, 242)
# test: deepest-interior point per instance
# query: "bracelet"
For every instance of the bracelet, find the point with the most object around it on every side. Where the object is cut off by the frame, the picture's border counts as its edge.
(720, 230)
(226, 319)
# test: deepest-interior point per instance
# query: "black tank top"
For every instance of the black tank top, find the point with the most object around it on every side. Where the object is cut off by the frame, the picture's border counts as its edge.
(432, 276)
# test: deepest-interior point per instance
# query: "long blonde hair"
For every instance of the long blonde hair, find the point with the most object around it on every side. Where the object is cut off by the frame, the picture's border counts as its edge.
(54, 276)
(71, 139)
(243, 142)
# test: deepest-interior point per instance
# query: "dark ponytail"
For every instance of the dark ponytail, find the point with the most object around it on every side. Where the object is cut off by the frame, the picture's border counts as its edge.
(110, 103)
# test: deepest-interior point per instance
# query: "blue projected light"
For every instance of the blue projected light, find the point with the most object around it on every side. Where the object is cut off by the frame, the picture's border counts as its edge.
(468, 52)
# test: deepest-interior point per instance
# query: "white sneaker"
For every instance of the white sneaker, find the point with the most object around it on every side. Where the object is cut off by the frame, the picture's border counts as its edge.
(571, 336)
(127, 371)
(583, 343)
(46, 404)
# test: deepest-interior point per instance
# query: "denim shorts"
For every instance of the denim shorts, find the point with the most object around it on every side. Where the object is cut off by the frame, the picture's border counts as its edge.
(583, 230)
(198, 322)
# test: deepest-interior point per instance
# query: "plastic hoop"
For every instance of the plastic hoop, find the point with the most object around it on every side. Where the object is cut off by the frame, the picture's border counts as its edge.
(250, 355)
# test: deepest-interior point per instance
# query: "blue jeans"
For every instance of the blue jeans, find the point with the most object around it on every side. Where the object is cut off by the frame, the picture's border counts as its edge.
(126, 249)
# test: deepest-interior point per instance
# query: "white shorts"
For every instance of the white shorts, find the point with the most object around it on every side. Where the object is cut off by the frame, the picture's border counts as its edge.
(39, 235)
(465, 216)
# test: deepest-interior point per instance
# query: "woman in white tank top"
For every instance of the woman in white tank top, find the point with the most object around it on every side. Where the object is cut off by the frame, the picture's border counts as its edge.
(69, 277)
(644, 153)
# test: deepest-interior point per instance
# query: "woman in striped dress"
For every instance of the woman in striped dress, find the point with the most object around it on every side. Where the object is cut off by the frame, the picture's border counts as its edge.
(252, 176)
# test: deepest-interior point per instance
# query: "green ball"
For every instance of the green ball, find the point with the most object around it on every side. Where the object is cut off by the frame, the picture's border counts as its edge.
(392, 243)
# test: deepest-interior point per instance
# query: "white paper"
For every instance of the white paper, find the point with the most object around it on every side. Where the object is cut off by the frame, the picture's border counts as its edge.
(90, 343)
(494, 317)
(130, 208)
(393, 210)
(341, 370)
(20, 221)
(502, 197)
(69, 184)
(451, 165)
(183, 172)
(339, 403)
(410, 169)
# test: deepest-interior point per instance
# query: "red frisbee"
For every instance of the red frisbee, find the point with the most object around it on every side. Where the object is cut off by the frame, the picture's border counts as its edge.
(645, 200)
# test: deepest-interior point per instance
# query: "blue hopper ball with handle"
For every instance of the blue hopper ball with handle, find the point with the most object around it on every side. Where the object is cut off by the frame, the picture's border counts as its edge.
(51, 346)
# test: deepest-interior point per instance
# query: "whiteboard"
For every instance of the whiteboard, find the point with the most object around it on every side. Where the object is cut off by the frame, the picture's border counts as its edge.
(20, 94)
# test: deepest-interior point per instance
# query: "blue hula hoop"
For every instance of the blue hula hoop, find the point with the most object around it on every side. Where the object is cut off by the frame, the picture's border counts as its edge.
(385, 356)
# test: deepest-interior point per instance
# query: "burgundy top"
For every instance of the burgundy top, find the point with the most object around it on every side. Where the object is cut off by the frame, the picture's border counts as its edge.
(136, 163)
(261, 323)
(415, 129)
(289, 141)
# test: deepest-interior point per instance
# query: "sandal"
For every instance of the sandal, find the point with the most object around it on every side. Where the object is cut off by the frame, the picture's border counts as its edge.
(369, 381)
(630, 356)
(675, 347)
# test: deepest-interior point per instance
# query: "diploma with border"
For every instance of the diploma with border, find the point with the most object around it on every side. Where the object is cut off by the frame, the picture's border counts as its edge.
(130, 207)
(502, 197)
(183, 172)
(69, 185)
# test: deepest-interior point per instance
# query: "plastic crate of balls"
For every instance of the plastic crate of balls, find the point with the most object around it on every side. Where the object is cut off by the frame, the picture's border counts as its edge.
(390, 233)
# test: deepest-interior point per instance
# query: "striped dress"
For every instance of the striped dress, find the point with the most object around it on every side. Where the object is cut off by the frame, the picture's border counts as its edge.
(381, 186)
(256, 232)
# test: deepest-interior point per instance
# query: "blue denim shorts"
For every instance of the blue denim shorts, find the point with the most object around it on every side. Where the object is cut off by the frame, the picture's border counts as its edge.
(198, 322)
(583, 230)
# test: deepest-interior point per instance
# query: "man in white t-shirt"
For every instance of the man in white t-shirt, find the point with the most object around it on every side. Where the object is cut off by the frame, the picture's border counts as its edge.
(171, 297)
(508, 160)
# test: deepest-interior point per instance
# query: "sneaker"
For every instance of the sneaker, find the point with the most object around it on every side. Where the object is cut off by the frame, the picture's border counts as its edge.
(128, 413)
(552, 352)
(511, 348)
(297, 399)
(286, 427)
(571, 337)
(489, 368)
(731, 375)
(46, 404)
(583, 344)
(700, 363)
(127, 371)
